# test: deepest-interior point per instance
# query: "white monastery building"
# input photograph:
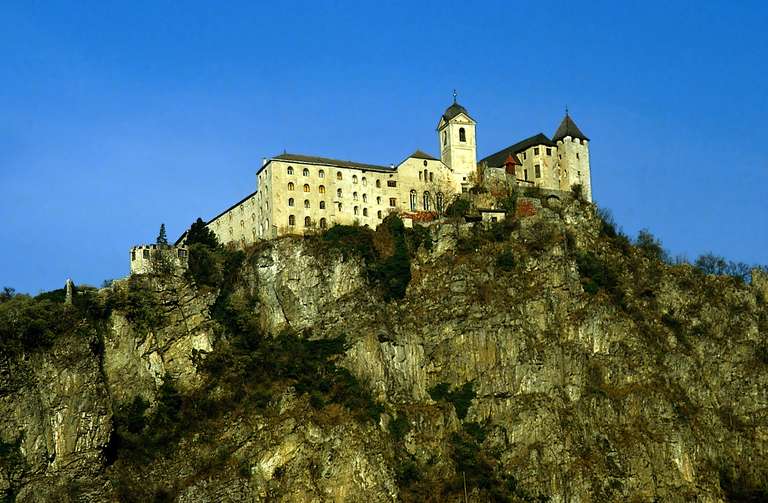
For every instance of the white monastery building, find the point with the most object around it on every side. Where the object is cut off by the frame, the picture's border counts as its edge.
(297, 194)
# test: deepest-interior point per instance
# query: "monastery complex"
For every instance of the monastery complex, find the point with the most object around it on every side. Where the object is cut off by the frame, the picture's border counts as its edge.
(297, 194)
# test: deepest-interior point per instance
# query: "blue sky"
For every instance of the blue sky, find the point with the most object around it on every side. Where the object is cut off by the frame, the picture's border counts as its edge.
(117, 116)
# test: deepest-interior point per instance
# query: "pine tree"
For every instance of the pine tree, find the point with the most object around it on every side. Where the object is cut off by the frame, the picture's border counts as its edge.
(162, 239)
(199, 233)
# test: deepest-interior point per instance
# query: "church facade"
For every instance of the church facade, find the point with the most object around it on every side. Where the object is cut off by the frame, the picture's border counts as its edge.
(297, 194)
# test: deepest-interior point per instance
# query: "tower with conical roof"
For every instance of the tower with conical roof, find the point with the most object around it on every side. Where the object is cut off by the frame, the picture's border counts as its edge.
(573, 157)
(458, 149)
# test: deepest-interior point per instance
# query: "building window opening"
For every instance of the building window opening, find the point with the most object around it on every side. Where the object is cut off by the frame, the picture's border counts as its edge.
(431, 177)
(306, 187)
(306, 203)
(290, 170)
(290, 185)
(445, 138)
(145, 253)
(355, 210)
(323, 223)
(535, 150)
(291, 220)
(365, 212)
(322, 205)
(133, 255)
(462, 134)
(426, 201)
(391, 183)
(439, 201)
(354, 178)
(378, 214)
(365, 198)
(321, 189)
(549, 151)
(378, 199)
(338, 175)
(413, 200)
(392, 202)
(305, 172)
(339, 206)
(321, 174)
(338, 192)
(365, 182)
(537, 171)
(378, 184)
(354, 196)
(307, 222)
(290, 201)
(525, 174)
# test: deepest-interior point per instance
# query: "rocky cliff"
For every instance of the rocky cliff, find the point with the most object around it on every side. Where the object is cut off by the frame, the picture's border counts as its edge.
(545, 359)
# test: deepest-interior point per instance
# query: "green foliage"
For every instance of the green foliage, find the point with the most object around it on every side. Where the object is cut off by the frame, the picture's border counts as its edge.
(458, 208)
(199, 233)
(577, 191)
(418, 236)
(509, 203)
(461, 398)
(399, 426)
(740, 486)
(595, 274)
(505, 260)
(139, 302)
(650, 246)
(28, 324)
(710, 263)
(162, 238)
(351, 240)
(203, 267)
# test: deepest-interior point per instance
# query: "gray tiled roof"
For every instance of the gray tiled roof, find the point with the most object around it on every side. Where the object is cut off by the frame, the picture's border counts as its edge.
(310, 159)
(498, 159)
(454, 110)
(568, 128)
(419, 154)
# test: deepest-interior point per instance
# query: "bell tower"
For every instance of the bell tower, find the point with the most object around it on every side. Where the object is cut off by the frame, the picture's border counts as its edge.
(458, 148)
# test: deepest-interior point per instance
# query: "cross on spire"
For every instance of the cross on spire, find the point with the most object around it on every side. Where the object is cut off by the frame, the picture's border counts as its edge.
(454, 95)
(566, 109)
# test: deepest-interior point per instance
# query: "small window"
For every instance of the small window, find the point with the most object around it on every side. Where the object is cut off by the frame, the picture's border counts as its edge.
(419, 175)
(145, 254)
(537, 169)
(365, 212)
(354, 178)
(378, 199)
(321, 174)
(378, 214)
(378, 184)
(354, 196)
(307, 222)
(578, 173)
(133, 255)
(339, 206)
(290, 170)
(321, 189)
(365, 182)
(323, 223)
(431, 176)
(549, 151)
(462, 134)
(182, 253)
(391, 183)
(426, 173)
(439, 202)
(577, 155)
(242, 224)
(306, 187)
(306, 203)
(412, 200)
(290, 201)
(338, 175)
(535, 150)
(392, 202)
(338, 192)
(425, 201)
(445, 137)
(355, 210)
(365, 198)
(305, 172)
(425, 163)
(524, 154)
(525, 174)
(291, 220)
(494, 219)
(290, 185)
(322, 205)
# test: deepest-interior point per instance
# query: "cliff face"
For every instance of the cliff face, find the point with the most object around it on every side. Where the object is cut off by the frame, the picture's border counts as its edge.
(546, 361)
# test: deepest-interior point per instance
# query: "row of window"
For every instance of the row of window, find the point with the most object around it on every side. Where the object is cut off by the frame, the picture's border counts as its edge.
(423, 176)
(323, 223)
(462, 136)
(426, 201)
(145, 253)
(536, 152)
(339, 176)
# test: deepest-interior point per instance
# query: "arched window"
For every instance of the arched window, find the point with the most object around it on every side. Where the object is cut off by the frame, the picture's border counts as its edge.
(426, 201)
(338, 175)
(354, 196)
(290, 201)
(242, 224)
(354, 178)
(321, 173)
(419, 175)
(339, 206)
(307, 222)
(321, 189)
(290, 170)
(426, 173)
(445, 137)
(365, 182)
(290, 185)
(365, 198)
(439, 202)
(305, 172)
(338, 192)
(413, 200)
(356, 210)
(306, 187)
(322, 205)
(323, 223)
(378, 184)
(462, 134)
(378, 214)
(378, 199)
(306, 203)
(365, 212)
(291, 220)
(431, 175)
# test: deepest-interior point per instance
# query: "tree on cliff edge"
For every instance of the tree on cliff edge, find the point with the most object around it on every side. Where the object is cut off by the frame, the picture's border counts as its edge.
(198, 233)
(162, 238)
